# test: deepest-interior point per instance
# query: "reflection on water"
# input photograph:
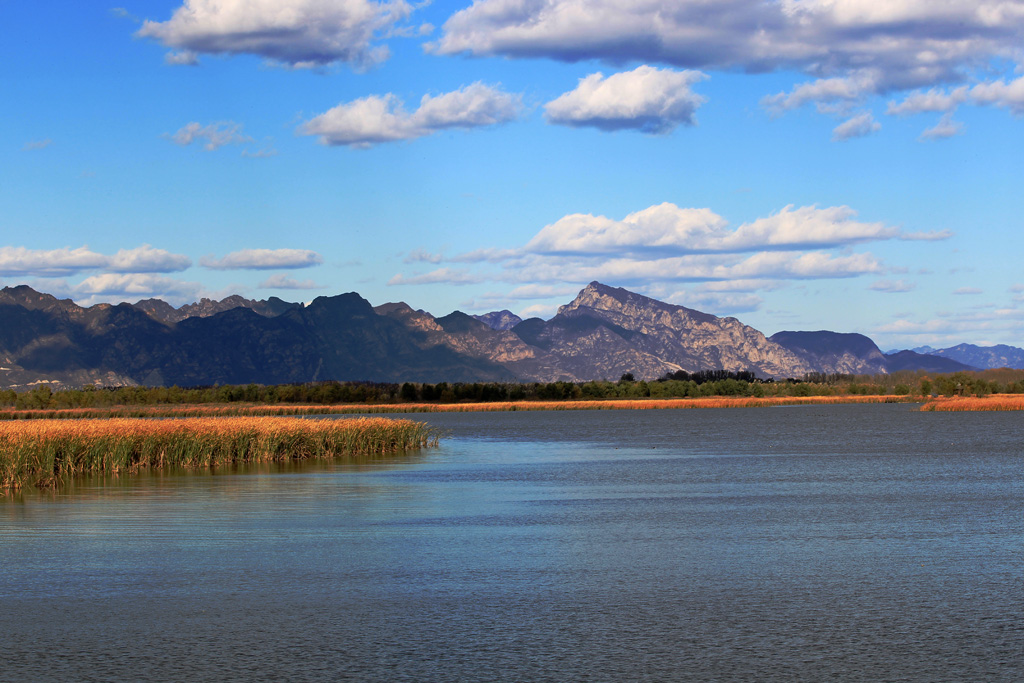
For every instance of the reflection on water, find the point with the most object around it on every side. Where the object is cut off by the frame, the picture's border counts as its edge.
(844, 542)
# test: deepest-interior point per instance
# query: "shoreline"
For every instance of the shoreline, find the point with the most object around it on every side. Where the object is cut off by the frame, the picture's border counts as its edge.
(993, 402)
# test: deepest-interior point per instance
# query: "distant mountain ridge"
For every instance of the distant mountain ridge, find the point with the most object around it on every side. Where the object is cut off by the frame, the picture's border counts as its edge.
(998, 356)
(602, 333)
(204, 308)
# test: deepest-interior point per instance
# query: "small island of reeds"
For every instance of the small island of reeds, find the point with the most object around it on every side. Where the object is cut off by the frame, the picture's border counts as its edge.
(43, 453)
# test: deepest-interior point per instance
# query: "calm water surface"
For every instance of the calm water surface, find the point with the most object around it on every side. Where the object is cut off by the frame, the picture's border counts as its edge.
(868, 543)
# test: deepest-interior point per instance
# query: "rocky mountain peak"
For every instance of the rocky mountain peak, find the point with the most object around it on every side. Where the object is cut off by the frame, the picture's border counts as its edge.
(499, 320)
(26, 297)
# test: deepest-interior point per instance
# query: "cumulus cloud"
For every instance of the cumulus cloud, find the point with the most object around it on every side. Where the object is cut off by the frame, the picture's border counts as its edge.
(838, 93)
(298, 33)
(19, 261)
(137, 285)
(907, 42)
(283, 281)
(669, 228)
(1001, 94)
(215, 135)
(146, 259)
(647, 99)
(657, 248)
(933, 100)
(857, 127)
(375, 119)
(850, 49)
(967, 291)
(892, 286)
(945, 128)
(263, 259)
(450, 276)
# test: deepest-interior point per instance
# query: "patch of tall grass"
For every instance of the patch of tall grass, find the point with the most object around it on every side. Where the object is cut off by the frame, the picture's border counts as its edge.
(43, 453)
(973, 403)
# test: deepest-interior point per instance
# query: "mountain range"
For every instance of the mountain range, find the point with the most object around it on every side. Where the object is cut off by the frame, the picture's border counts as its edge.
(601, 334)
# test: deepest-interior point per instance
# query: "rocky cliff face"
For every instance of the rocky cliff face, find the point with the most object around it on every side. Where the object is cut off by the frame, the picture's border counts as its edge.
(834, 352)
(657, 338)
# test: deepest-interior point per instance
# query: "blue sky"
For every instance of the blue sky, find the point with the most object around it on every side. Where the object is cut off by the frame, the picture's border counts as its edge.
(799, 164)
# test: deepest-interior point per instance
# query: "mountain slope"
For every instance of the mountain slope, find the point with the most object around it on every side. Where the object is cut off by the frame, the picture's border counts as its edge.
(606, 331)
(835, 352)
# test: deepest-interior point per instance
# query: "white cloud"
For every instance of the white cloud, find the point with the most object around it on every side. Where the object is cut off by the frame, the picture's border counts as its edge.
(720, 302)
(892, 286)
(19, 261)
(968, 291)
(945, 128)
(655, 249)
(693, 268)
(263, 259)
(181, 58)
(1001, 94)
(146, 259)
(933, 100)
(851, 49)
(492, 301)
(933, 236)
(857, 127)
(996, 93)
(422, 256)
(375, 119)
(450, 276)
(545, 311)
(283, 281)
(908, 43)
(647, 99)
(824, 91)
(299, 33)
(137, 285)
(669, 228)
(215, 134)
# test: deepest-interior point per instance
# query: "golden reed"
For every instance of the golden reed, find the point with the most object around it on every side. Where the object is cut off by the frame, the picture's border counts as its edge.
(42, 453)
(369, 408)
(973, 403)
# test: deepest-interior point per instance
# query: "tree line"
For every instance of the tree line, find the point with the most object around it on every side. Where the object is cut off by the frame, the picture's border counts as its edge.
(672, 385)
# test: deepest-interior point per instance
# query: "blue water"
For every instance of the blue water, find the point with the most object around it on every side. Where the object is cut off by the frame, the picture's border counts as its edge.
(827, 542)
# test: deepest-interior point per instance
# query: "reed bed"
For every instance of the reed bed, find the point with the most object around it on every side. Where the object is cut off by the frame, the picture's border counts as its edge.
(43, 453)
(251, 410)
(973, 403)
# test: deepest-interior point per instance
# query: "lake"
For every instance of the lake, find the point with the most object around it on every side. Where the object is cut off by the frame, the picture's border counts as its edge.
(851, 542)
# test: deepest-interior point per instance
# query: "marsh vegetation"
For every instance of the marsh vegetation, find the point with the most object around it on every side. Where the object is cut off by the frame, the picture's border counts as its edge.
(43, 453)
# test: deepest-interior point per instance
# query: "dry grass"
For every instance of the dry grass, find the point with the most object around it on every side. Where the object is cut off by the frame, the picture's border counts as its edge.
(371, 408)
(972, 403)
(43, 453)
